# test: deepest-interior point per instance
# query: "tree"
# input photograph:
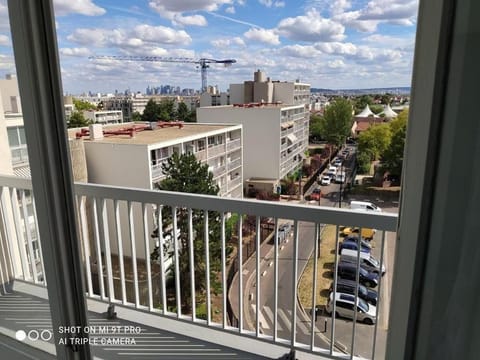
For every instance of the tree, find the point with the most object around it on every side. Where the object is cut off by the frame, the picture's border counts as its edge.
(166, 110)
(182, 112)
(192, 116)
(78, 120)
(81, 105)
(392, 156)
(151, 112)
(315, 127)
(361, 102)
(185, 174)
(375, 140)
(136, 116)
(336, 124)
(363, 163)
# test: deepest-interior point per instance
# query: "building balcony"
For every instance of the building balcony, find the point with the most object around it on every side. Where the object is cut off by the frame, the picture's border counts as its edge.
(219, 170)
(255, 308)
(234, 144)
(215, 150)
(235, 163)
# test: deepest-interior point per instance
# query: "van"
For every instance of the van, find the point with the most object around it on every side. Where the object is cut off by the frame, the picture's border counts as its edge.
(367, 261)
(364, 205)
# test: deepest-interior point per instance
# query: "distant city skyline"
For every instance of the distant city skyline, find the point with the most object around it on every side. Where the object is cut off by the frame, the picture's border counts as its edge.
(337, 44)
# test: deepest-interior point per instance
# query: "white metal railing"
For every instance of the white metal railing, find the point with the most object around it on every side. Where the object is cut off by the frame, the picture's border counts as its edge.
(234, 163)
(219, 171)
(215, 150)
(234, 144)
(116, 225)
(234, 182)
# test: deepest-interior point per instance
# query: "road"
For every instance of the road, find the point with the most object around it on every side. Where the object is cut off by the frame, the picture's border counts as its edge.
(343, 335)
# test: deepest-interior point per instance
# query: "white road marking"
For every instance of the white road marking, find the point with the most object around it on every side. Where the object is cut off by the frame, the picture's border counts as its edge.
(261, 319)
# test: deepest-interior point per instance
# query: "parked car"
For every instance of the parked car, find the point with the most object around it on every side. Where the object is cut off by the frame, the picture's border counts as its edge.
(367, 260)
(349, 271)
(332, 171)
(364, 205)
(337, 162)
(367, 233)
(325, 180)
(352, 246)
(346, 306)
(316, 194)
(340, 178)
(349, 287)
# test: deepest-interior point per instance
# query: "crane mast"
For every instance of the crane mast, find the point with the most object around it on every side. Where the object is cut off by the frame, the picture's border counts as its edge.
(203, 63)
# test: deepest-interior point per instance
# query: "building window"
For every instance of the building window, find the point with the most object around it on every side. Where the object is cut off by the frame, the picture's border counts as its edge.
(211, 141)
(18, 144)
(201, 145)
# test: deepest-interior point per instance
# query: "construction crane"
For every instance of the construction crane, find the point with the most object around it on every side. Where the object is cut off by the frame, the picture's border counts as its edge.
(203, 63)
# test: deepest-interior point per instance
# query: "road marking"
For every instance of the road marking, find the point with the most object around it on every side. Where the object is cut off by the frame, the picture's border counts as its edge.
(269, 314)
(285, 319)
(261, 319)
(300, 324)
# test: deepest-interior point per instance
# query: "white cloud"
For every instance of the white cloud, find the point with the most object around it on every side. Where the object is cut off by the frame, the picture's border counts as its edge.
(299, 51)
(223, 43)
(266, 36)
(311, 27)
(389, 10)
(337, 48)
(272, 3)
(336, 64)
(230, 10)
(80, 52)
(4, 40)
(399, 12)
(138, 36)
(83, 7)
(196, 20)
(174, 9)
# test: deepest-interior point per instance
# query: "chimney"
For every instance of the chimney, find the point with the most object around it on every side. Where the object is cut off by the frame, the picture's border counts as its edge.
(96, 131)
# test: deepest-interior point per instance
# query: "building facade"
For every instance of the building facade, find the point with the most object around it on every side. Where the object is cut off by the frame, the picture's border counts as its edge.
(275, 137)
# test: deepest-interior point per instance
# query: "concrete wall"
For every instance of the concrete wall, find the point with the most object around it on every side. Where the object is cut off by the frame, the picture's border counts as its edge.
(283, 91)
(118, 164)
(236, 94)
(10, 95)
(5, 154)
(263, 92)
(78, 159)
(261, 136)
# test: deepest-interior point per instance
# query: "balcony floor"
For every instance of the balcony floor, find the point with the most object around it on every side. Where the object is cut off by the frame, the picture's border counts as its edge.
(22, 311)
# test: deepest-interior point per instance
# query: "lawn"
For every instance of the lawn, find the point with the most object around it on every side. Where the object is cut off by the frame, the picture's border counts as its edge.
(324, 271)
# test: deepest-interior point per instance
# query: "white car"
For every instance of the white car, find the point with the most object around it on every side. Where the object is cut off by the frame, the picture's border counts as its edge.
(345, 305)
(325, 180)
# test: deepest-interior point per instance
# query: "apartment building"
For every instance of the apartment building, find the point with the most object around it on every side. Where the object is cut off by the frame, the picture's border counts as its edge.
(275, 137)
(136, 161)
(104, 116)
(263, 89)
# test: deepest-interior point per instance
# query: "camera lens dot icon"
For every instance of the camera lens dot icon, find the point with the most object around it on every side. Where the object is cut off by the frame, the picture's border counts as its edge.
(20, 335)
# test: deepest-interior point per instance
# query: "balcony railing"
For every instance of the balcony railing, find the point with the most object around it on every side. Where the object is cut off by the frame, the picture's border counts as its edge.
(254, 295)
(216, 150)
(234, 164)
(234, 144)
(234, 182)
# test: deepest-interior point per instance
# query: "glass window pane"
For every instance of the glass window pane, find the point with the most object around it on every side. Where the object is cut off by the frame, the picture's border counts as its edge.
(13, 137)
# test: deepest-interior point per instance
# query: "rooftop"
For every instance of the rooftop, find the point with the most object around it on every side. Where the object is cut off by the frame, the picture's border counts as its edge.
(150, 137)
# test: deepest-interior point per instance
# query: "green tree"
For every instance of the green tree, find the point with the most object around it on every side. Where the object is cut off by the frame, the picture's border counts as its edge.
(81, 105)
(192, 116)
(363, 163)
(392, 156)
(166, 110)
(336, 124)
(375, 140)
(376, 109)
(151, 112)
(78, 120)
(315, 127)
(136, 116)
(185, 174)
(182, 112)
(361, 102)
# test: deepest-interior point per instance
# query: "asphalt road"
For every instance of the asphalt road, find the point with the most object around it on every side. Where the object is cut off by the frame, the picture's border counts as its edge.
(343, 333)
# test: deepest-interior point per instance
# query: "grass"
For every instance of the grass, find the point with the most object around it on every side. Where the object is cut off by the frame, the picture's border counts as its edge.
(324, 271)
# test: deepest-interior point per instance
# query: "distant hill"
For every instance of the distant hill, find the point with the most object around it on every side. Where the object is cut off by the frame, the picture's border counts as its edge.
(392, 90)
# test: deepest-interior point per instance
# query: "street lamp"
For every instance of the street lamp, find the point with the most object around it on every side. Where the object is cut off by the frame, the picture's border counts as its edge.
(341, 182)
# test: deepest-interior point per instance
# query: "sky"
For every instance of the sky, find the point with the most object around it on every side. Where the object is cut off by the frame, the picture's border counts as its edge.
(335, 44)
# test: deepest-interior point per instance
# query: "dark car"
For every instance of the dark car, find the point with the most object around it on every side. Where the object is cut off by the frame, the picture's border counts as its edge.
(349, 271)
(348, 287)
(356, 239)
(353, 246)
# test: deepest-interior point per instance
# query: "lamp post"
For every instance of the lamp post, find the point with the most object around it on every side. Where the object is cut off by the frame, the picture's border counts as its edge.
(341, 182)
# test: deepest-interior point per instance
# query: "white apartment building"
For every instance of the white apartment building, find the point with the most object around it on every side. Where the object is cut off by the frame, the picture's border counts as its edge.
(104, 116)
(263, 89)
(119, 159)
(275, 137)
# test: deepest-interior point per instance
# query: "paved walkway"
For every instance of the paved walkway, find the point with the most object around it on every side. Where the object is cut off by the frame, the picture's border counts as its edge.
(22, 314)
